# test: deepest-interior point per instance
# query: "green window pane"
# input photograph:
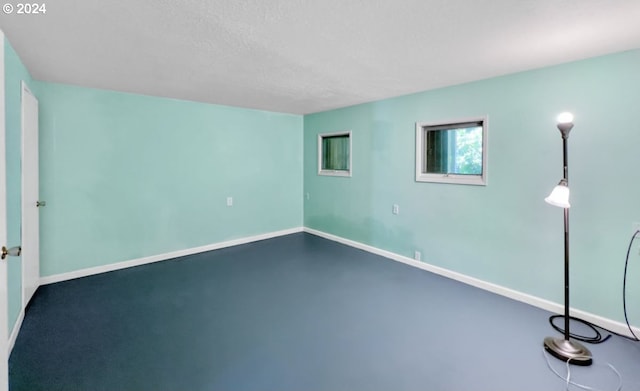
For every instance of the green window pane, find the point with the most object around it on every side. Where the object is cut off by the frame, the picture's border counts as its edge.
(335, 152)
(453, 151)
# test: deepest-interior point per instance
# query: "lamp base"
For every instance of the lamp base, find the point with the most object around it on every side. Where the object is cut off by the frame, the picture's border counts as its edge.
(567, 350)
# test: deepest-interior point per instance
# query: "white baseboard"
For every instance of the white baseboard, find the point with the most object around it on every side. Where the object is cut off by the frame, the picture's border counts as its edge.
(162, 257)
(535, 301)
(617, 327)
(15, 331)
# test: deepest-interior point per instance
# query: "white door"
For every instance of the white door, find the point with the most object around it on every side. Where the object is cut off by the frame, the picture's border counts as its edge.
(4, 327)
(30, 198)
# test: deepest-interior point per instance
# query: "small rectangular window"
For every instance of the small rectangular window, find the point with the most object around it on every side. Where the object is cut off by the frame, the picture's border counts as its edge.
(452, 151)
(334, 154)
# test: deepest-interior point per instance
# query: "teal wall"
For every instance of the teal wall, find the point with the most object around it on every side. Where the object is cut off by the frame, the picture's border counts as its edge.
(128, 176)
(15, 73)
(503, 233)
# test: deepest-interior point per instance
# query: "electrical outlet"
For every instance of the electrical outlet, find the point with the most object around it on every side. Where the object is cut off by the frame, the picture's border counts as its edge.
(308, 196)
(417, 256)
(395, 209)
(229, 201)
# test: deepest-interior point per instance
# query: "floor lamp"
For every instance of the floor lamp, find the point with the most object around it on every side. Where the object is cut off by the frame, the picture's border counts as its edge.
(564, 348)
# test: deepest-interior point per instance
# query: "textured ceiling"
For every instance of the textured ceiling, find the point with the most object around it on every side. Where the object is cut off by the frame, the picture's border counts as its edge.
(304, 56)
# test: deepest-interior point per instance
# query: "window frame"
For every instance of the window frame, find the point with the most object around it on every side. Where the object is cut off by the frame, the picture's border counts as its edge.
(461, 179)
(339, 173)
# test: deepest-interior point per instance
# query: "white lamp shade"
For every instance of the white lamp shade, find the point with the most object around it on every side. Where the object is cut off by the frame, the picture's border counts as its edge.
(565, 118)
(559, 196)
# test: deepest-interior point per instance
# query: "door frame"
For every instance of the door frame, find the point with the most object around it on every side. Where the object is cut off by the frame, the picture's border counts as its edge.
(24, 88)
(4, 326)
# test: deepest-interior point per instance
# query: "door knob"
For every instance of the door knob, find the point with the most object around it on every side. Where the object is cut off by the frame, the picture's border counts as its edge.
(13, 251)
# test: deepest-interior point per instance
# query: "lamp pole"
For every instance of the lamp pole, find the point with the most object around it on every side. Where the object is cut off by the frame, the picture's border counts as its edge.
(565, 128)
(564, 348)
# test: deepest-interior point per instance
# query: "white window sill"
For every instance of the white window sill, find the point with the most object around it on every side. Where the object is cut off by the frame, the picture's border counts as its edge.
(342, 173)
(477, 180)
